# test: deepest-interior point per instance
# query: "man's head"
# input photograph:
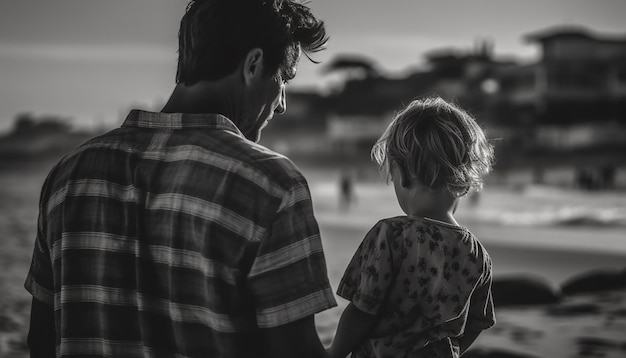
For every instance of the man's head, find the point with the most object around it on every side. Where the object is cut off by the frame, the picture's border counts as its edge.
(218, 38)
(216, 35)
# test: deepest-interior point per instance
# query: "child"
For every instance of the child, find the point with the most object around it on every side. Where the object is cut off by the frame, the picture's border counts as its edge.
(420, 285)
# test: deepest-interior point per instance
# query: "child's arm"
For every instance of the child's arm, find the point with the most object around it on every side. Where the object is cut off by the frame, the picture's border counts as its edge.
(481, 315)
(354, 326)
(295, 339)
(466, 340)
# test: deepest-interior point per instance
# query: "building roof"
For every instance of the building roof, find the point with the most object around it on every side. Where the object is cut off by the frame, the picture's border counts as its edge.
(572, 31)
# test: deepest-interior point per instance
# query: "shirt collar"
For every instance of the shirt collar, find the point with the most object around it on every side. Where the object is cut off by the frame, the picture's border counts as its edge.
(157, 120)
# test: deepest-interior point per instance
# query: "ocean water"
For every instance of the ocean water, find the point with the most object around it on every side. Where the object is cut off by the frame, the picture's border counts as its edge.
(519, 205)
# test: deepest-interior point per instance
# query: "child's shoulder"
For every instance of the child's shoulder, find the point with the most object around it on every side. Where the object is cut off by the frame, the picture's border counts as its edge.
(410, 226)
(424, 230)
(393, 223)
(388, 228)
(404, 221)
(399, 228)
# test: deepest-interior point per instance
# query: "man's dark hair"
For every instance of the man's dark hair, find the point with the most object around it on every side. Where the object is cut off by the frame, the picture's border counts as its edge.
(215, 36)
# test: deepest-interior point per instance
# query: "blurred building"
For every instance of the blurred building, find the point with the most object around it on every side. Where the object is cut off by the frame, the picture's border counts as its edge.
(568, 109)
(574, 96)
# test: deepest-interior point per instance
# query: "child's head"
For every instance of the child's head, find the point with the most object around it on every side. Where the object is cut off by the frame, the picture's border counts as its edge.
(438, 144)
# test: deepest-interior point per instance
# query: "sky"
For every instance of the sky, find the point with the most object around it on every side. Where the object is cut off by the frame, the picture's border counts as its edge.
(91, 60)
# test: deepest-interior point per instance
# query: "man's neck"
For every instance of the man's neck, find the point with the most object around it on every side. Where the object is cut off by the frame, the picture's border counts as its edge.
(204, 97)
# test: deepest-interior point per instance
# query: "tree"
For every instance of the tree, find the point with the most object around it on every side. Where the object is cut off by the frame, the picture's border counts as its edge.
(354, 66)
(26, 123)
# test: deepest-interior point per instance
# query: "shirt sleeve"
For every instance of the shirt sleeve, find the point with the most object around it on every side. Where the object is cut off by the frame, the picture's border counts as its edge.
(369, 274)
(481, 313)
(39, 280)
(288, 278)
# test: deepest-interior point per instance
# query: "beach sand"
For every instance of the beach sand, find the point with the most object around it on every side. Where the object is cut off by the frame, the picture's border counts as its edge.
(552, 252)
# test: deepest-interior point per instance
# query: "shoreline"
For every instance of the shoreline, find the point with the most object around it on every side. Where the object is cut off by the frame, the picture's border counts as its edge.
(553, 262)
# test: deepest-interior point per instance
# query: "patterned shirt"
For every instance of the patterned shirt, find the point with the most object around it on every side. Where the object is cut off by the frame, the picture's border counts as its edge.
(175, 236)
(426, 280)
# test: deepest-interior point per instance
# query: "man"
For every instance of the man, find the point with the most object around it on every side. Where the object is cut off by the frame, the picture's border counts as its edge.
(177, 235)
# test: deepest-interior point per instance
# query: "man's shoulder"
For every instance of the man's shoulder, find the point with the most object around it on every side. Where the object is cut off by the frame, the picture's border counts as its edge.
(268, 163)
(95, 142)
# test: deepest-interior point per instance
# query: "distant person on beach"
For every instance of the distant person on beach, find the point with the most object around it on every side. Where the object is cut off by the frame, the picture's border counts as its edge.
(177, 235)
(420, 285)
(346, 189)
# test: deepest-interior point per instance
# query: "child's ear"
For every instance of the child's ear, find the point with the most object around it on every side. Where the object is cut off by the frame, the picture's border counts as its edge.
(399, 170)
(406, 178)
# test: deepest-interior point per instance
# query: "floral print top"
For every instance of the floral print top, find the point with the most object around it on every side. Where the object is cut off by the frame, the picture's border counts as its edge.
(426, 280)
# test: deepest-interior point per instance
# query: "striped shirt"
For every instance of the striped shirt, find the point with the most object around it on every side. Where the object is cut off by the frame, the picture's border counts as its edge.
(175, 236)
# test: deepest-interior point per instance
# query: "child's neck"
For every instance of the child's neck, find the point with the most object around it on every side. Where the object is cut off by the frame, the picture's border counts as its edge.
(447, 217)
(438, 205)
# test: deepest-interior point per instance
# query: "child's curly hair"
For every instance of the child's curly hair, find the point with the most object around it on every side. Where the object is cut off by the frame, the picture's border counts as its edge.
(438, 144)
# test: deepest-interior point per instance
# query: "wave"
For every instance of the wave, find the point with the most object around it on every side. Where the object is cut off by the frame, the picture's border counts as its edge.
(531, 205)
(547, 206)
(567, 216)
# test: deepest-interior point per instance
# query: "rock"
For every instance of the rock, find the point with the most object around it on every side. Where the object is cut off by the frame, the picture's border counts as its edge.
(619, 313)
(595, 347)
(595, 281)
(523, 290)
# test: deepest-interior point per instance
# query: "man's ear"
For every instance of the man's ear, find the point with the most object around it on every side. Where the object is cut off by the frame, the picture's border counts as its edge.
(253, 65)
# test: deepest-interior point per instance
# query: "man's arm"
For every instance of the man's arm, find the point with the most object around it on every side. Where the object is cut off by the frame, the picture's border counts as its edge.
(41, 336)
(295, 339)
(354, 327)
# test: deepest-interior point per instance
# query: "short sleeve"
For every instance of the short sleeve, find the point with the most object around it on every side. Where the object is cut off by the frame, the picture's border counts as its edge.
(481, 313)
(369, 274)
(288, 278)
(39, 281)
